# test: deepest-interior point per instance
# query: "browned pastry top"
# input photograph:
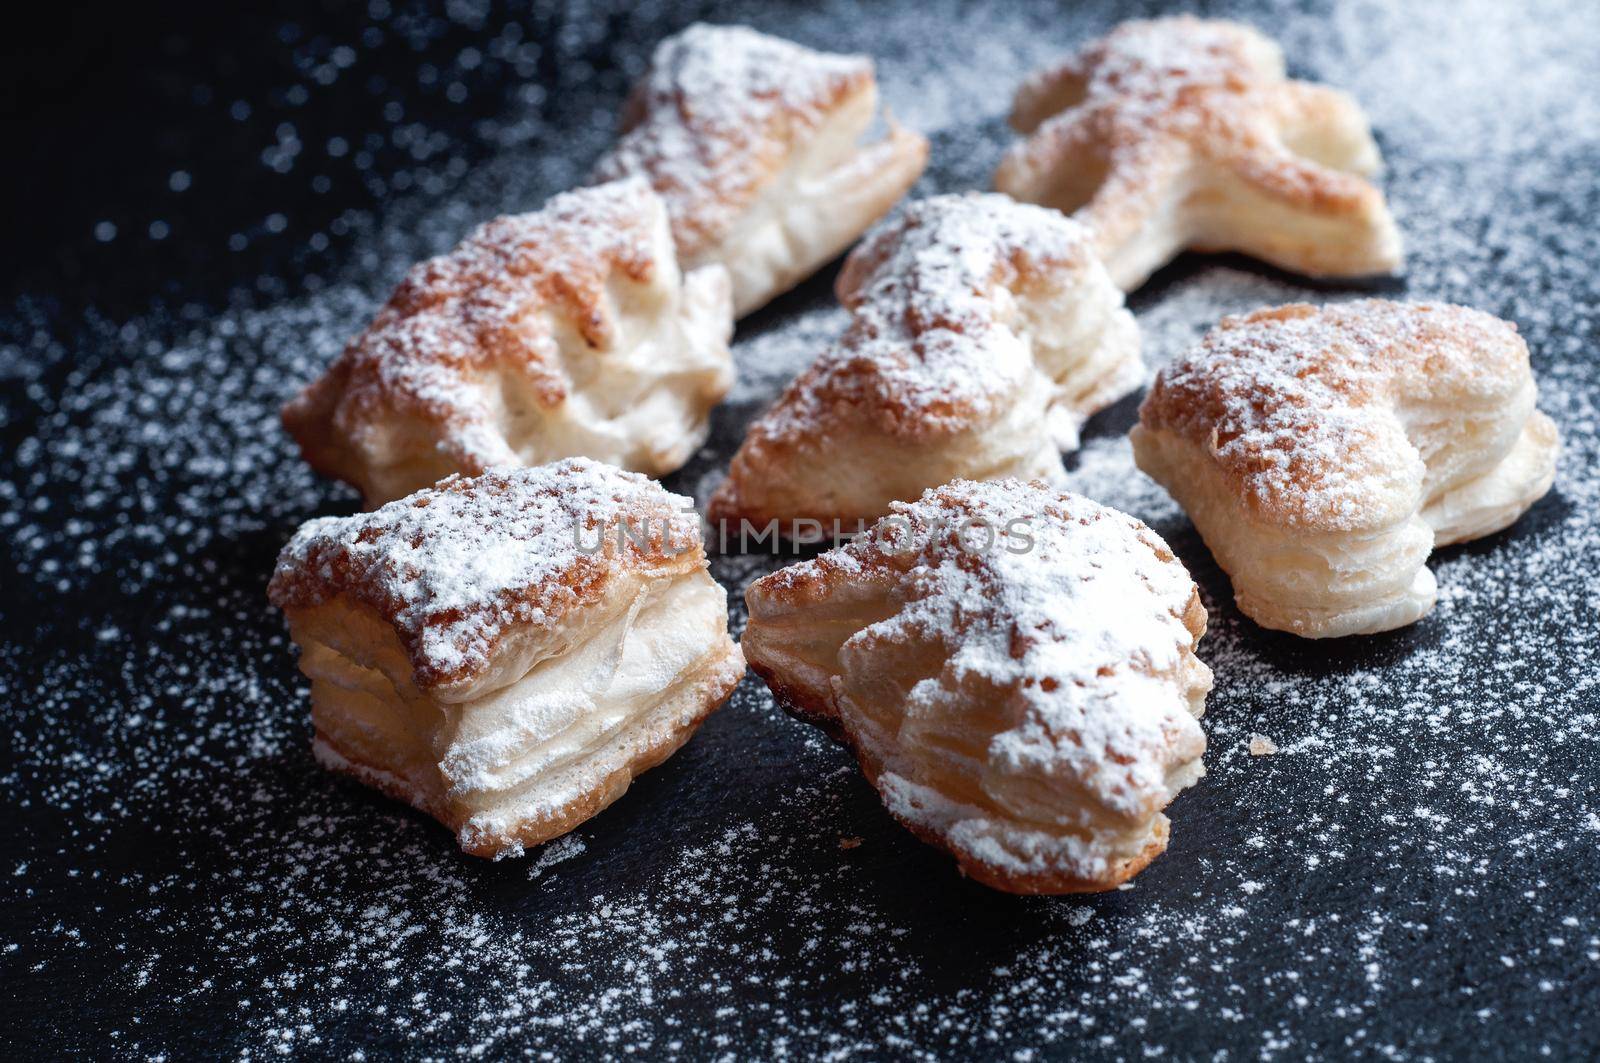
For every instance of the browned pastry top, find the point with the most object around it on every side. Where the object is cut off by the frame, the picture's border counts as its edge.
(1036, 589)
(1151, 90)
(931, 347)
(498, 302)
(1297, 405)
(454, 567)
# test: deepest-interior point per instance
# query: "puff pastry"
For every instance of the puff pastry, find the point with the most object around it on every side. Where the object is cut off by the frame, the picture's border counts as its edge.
(507, 652)
(565, 332)
(983, 332)
(1014, 668)
(1323, 453)
(1184, 133)
(755, 144)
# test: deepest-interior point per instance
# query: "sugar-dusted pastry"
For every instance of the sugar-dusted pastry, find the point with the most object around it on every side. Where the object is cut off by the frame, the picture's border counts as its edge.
(756, 145)
(1324, 452)
(565, 332)
(506, 652)
(983, 332)
(1183, 133)
(1014, 668)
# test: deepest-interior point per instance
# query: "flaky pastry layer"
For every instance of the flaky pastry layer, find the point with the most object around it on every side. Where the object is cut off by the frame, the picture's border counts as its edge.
(568, 331)
(1014, 669)
(983, 332)
(1183, 133)
(508, 652)
(756, 145)
(534, 759)
(1323, 453)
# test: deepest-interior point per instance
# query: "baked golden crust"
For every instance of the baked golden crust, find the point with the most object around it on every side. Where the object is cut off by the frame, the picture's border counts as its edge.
(753, 142)
(1323, 452)
(1182, 133)
(983, 332)
(473, 361)
(507, 653)
(1025, 699)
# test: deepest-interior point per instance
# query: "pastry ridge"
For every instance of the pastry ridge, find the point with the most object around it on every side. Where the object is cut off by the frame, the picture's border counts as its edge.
(540, 336)
(1025, 700)
(983, 332)
(733, 128)
(1323, 452)
(1184, 133)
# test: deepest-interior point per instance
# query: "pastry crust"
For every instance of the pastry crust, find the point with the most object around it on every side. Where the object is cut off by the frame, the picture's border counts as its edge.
(983, 332)
(1183, 133)
(565, 332)
(1322, 453)
(507, 652)
(1014, 668)
(755, 144)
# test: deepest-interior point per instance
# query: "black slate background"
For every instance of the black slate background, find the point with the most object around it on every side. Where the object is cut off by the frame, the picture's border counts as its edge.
(196, 887)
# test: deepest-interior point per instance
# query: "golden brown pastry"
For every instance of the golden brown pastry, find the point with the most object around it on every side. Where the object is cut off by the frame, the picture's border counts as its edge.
(755, 144)
(565, 332)
(507, 652)
(1324, 452)
(1183, 133)
(983, 333)
(1014, 668)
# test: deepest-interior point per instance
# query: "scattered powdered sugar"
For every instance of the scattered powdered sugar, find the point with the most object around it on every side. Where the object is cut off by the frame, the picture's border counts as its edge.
(769, 360)
(1410, 876)
(566, 847)
(1104, 471)
(454, 566)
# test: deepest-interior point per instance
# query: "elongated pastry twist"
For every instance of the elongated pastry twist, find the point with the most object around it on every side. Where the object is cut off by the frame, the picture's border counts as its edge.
(1183, 133)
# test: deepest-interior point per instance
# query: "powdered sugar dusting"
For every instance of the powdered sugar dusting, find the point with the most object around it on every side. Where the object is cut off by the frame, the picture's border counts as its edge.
(935, 339)
(1411, 876)
(1155, 62)
(1302, 408)
(1079, 615)
(716, 116)
(502, 300)
(454, 566)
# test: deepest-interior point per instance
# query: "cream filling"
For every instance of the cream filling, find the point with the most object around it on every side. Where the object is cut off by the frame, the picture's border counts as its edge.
(644, 403)
(641, 402)
(528, 749)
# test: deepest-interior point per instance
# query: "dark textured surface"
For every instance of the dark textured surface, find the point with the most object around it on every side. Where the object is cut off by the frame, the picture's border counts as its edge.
(204, 211)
